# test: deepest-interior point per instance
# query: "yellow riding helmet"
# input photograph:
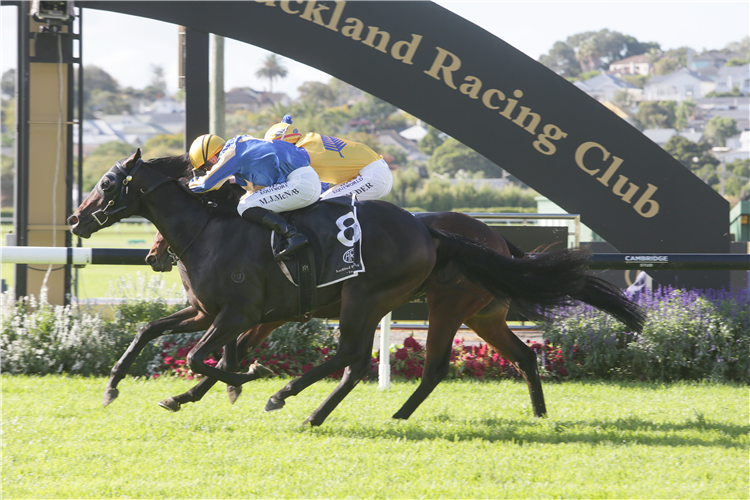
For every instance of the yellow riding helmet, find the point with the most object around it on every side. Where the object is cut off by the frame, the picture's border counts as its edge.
(283, 131)
(204, 148)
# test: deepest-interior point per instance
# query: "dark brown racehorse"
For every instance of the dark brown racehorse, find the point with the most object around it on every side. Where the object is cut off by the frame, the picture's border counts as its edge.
(401, 255)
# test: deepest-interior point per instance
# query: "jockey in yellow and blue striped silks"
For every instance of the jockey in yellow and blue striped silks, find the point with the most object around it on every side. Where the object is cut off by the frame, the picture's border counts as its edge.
(351, 167)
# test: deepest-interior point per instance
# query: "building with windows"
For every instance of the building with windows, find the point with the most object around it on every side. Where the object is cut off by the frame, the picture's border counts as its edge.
(679, 85)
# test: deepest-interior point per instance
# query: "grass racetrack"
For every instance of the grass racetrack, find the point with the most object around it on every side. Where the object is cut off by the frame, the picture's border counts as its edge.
(468, 440)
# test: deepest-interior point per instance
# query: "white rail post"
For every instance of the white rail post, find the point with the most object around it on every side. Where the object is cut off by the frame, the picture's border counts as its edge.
(384, 371)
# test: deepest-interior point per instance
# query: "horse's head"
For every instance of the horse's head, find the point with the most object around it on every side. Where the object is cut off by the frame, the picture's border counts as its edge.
(108, 201)
(159, 257)
(119, 192)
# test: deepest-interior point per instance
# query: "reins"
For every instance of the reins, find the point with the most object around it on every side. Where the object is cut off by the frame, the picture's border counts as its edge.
(176, 257)
(123, 177)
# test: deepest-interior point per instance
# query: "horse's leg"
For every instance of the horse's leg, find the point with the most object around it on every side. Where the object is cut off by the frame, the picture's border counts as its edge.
(352, 375)
(449, 308)
(227, 326)
(186, 320)
(246, 343)
(490, 325)
(348, 352)
(233, 352)
(361, 310)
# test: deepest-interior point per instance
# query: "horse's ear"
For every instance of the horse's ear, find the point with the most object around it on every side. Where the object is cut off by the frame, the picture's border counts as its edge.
(134, 157)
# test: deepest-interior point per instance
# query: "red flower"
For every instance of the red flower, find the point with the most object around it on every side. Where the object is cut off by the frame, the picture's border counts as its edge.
(411, 342)
(402, 354)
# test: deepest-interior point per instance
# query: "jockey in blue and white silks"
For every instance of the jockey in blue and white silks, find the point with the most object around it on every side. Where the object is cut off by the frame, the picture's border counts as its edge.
(276, 174)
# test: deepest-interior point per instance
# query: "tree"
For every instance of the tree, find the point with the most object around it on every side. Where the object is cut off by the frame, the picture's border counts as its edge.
(683, 113)
(7, 180)
(429, 143)
(719, 128)
(101, 159)
(317, 92)
(695, 156)
(741, 47)
(101, 93)
(652, 114)
(8, 85)
(671, 61)
(164, 145)
(561, 59)
(374, 110)
(271, 70)
(96, 78)
(158, 80)
(452, 156)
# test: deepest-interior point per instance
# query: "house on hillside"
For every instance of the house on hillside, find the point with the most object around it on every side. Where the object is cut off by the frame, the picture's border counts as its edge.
(396, 140)
(662, 135)
(679, 85)
(133, 130)
(714, 58)
(736, 108)
(161, 106)
(95, 133)
(729, 77)
(253, 101)
(173, 123)
(603, 87)
(633, 65)
(737, 148)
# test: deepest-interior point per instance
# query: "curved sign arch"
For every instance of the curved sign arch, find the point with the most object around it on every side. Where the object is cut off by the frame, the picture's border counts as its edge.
(478, 89)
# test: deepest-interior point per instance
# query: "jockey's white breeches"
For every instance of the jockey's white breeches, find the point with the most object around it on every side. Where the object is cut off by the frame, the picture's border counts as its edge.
(302, 188)
(373, 182)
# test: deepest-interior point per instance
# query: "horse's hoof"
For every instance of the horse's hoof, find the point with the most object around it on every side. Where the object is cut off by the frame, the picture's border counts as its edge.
(274, 404)
(260, 371)
(311, 421)
(170, 404)
(233, 393)
(110, 394)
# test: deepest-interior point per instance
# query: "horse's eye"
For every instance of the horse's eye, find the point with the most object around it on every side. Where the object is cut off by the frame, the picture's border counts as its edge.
(107, 183)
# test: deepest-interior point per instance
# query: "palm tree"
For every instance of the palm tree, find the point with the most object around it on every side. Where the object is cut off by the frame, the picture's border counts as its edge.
(272, 69)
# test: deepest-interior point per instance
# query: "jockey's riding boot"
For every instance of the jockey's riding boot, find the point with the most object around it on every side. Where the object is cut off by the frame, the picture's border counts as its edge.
(293, 240)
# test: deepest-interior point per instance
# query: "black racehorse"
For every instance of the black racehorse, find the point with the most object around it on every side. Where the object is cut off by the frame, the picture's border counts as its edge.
(236, 283)
(453, 301)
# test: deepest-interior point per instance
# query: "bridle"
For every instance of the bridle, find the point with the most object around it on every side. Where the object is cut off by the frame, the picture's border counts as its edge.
(122, 178)
(107, 189)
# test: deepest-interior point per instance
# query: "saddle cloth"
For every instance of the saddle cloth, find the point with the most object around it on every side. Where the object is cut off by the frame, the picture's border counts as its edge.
(334, 233)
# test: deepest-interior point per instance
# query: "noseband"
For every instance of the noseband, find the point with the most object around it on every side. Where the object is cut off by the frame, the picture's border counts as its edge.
(121, 178)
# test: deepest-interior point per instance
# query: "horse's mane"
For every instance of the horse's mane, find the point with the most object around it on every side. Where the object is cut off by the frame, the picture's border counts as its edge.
(179, 167)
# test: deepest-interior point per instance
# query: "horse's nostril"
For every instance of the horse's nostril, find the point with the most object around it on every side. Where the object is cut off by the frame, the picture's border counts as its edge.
(150, 259)
(72, 220)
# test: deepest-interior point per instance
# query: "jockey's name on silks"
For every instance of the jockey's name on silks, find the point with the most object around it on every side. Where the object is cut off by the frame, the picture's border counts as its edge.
(252, 161)
(336, 160)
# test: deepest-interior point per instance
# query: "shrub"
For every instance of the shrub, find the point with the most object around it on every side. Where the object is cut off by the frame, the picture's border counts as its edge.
(292, 349)
(688, 336)
(38, 338)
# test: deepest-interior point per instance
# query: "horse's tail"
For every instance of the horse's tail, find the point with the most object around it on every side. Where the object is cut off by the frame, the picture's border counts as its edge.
(608, 298)
(538, 283)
